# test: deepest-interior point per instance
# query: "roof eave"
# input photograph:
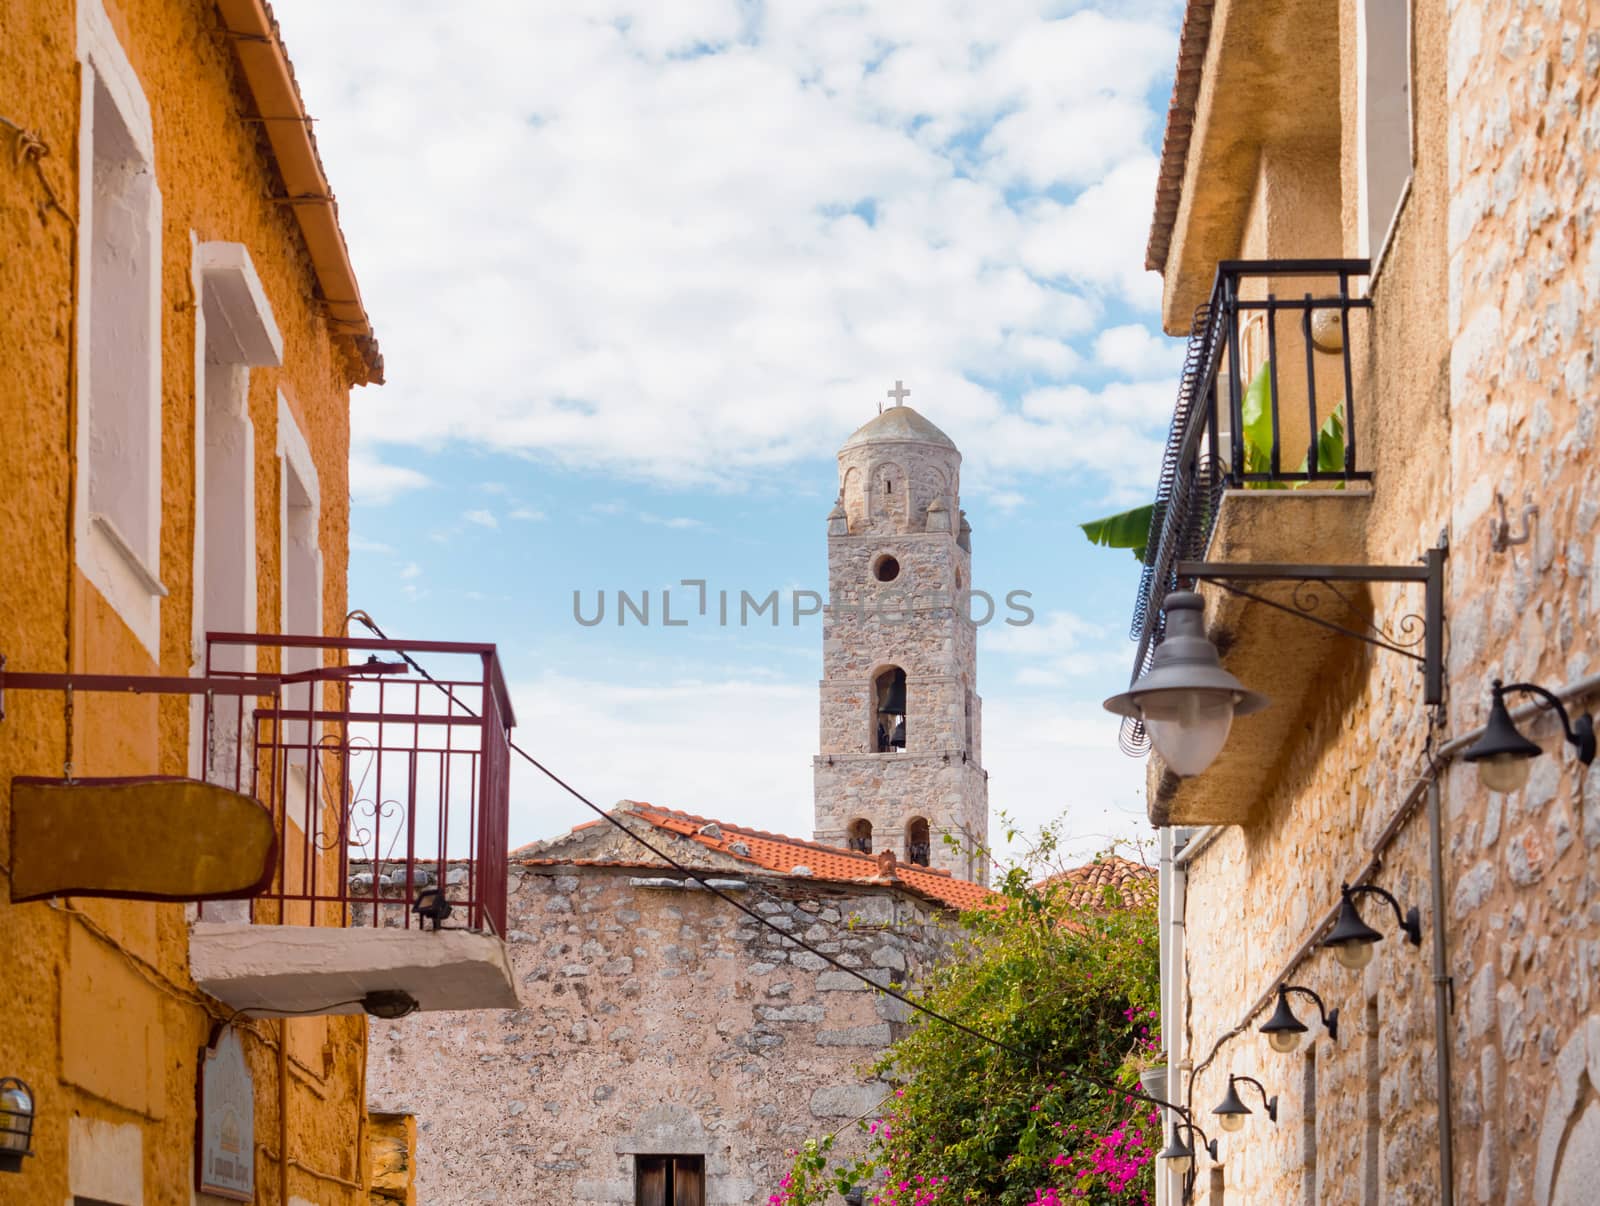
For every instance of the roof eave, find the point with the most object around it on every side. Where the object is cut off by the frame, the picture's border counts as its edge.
(1192, 43)
(269, 78)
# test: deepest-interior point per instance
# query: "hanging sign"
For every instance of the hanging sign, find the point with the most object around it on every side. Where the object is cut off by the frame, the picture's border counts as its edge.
(225, 1156)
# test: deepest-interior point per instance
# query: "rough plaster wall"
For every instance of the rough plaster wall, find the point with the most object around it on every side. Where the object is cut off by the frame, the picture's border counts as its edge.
(638, 998)
(213, 180)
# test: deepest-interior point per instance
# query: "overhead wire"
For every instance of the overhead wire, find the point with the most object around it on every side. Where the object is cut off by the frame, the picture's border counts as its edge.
(1107, 1086)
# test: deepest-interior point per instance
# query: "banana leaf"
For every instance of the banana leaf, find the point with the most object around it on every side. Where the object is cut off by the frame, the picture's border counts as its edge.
(1128, 530)
(1330, 443)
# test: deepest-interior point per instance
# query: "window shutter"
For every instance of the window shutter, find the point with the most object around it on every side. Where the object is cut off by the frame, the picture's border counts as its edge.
(650, 1180)
(689, 1181)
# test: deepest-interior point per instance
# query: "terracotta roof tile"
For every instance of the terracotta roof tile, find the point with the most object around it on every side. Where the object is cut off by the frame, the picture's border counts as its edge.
(775, 852)
(1085, 887)
(1192, 44)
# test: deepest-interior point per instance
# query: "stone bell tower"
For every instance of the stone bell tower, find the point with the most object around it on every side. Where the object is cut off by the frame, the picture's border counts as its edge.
(901, 758)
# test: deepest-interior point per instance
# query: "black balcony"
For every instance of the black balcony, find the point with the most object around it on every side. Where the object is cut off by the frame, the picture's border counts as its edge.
(1266, 401)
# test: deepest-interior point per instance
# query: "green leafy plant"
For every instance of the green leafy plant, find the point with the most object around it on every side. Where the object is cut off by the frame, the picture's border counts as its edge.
(1126, 530)
(1131, 529)
(1072, 994)
(1255, 415)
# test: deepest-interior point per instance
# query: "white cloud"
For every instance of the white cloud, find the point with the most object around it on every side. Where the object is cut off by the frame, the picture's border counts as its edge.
(1136, 351)
(484, 519)
(359, 544)
(373, 483)
(410, 570)
(527, 514)
(691, 242)
(670, 521)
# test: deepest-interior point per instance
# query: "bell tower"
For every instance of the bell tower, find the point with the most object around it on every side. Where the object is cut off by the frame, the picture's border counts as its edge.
(900, 766)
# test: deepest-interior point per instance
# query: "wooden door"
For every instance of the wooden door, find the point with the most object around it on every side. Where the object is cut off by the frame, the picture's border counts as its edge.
(652, 1176)
(688, 1181)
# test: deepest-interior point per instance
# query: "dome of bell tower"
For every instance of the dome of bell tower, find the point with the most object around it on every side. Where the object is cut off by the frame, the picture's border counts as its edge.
(898, 425)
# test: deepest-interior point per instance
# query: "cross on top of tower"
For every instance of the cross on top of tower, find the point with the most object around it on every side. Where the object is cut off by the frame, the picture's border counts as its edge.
(899, 393)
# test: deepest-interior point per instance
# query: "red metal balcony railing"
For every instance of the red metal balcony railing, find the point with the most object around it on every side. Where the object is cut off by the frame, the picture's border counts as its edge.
(386, 784)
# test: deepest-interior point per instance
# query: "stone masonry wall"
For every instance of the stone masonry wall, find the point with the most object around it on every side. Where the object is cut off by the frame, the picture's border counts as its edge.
(1480, 375)
(1524, 95)
(654, 1018)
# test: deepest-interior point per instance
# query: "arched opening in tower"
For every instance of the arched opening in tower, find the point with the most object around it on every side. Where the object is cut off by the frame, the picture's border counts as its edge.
(861, 835)
(889, 690)
(917, 846)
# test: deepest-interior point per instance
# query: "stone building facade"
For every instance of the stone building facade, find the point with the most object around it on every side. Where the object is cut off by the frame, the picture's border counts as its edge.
(1454, 146)
(656, 1020)
(664, 1037)
(900, 765)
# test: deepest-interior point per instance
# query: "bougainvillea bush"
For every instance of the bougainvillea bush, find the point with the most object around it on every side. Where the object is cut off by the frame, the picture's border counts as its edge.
(1071, 993)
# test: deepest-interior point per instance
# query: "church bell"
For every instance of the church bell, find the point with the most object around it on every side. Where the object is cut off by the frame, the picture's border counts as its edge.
(895, 702)
(898, 741)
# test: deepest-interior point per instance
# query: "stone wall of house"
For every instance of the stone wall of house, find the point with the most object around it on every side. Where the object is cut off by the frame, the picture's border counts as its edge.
(1524, 87)
(655, 1018)
(1479, 368)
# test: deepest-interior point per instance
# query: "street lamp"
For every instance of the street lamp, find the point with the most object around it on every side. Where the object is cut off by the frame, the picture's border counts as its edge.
(1504, 756)
(1186, 700)
(1352, 939)
(1233, 1111)
(1283, 1029)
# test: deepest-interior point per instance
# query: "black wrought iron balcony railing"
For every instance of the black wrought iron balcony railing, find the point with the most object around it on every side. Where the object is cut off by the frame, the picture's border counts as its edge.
(1266, 401)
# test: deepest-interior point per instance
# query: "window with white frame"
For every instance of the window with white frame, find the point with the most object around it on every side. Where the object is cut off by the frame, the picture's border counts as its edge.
(300, 562)
(118, 503)
(1384, 59)
(234, 331)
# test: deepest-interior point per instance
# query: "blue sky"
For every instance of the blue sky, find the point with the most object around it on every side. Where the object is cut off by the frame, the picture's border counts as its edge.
(638, 270)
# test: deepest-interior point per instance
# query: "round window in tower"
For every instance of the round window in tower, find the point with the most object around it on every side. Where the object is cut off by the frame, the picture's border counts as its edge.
(886, 568)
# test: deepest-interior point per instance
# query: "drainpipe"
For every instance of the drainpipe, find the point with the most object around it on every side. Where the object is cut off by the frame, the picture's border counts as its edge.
(283, 1112)
(1443, 993)
(1174, 881)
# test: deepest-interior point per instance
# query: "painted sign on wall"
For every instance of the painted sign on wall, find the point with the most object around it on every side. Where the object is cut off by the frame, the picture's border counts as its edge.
(225, 1157)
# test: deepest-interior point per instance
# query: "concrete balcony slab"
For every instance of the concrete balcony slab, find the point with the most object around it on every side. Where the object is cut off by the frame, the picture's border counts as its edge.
(1269, 649)
(272, 970)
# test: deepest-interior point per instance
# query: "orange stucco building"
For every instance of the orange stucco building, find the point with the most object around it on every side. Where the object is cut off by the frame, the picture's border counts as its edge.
(181, 333)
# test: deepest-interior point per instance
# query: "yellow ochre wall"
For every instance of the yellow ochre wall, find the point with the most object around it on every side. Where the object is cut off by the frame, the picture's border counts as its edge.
(102, 1018)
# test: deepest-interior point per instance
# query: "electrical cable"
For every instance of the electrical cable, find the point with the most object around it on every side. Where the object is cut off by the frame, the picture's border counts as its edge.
(1105, 1085)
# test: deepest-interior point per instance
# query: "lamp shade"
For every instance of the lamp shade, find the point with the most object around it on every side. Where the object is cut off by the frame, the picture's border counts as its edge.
(1502, 753)
(1283, 1029)
(16, 1123)
(1232, 1112)
(1351, 939)
(1178, 1154)
(1186, 700)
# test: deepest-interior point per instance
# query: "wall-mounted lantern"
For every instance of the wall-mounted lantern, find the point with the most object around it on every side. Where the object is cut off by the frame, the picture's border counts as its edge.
(1504, 756)
(16, 1123)
(1179, 1153)
(1352, 939)
(1186, 700)
(1233, 1111)
(1283, 1029)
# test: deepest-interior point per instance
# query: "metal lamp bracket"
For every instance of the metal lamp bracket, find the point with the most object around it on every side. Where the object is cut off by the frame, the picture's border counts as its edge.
(1305, 602)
